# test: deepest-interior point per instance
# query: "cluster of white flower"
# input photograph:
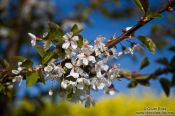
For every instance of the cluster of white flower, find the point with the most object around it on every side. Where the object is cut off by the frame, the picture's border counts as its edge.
(84, 68)
(53, 71)
(18, 77)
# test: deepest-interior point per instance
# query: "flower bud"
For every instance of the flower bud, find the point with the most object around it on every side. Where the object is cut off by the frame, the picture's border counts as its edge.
(50, 92)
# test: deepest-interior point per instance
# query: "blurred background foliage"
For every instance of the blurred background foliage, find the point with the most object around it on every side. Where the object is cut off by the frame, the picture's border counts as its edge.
(18, 17)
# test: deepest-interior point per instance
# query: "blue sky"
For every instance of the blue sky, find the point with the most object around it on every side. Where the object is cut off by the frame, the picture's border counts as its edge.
(108, 27)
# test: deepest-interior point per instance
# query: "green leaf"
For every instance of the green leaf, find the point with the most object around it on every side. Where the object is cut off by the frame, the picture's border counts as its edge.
(47, 57)
(143, 5)
(4, 63)
(132, 84)
(163, 61)
(165, 83)
(31, 79)
(2, 88)
(144, 63)
(154, 15)
(144, 82)
(42, 80)
(27, 63)
(60, 51)
(19, 58)
(40, 50)
(70, 95)
(80, 41)
(55, 32)
(148, 42)
(75, 29)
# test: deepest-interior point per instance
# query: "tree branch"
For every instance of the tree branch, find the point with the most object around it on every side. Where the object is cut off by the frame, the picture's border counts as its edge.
(145, 77)
(142, 22)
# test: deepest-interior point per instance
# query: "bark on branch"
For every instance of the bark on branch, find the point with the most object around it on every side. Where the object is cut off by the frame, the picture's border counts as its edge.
(141, 23)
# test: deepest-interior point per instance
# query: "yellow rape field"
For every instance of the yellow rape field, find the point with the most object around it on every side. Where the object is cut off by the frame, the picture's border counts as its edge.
(121, 105)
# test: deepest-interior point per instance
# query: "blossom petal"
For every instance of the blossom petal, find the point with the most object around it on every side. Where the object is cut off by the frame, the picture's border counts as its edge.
(33, 42)
(112, 92)
(15, 71)
(79, 80)
(74, 74)
(105, 67)
(75, 38)
(64, 84)
(68, 65)
(99, 74)
(80, 86)
(74, 45)
(85, 61)
(79, 62)
(100, 85)
(66, 45)
(92, 59)
(48, 68)
(32, 36)
(80, 55)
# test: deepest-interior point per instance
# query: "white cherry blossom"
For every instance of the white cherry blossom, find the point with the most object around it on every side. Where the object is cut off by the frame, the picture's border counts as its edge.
(76, 71)
(50, 92)
(98, 84)
(54, 71)
(70, 41)
(128, 51)
(48, 68)
(19, 77)
(81, 82)
(33, 39)
(85, 59)
(113, 72)
(66, 83)
(99, 46)
(99, 67)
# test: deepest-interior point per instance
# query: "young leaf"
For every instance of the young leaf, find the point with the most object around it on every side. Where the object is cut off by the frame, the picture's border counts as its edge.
(163, 61)
(144, 83)
(4, 63)
(55, 33)
(80, 41)
(42, 80)
(144, 63)
(2, 88)
(154, 15)
(27, 63)
(75, 29)
(143, 5)
(165, 83)
(19, 58)
(47, 57)
(31, 79)
(40, 50)
(132, 84)
(60, 51)
(148, 42)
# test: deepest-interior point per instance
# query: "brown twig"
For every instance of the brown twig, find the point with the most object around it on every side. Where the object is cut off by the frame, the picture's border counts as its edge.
(144, 77)
(141, 23)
